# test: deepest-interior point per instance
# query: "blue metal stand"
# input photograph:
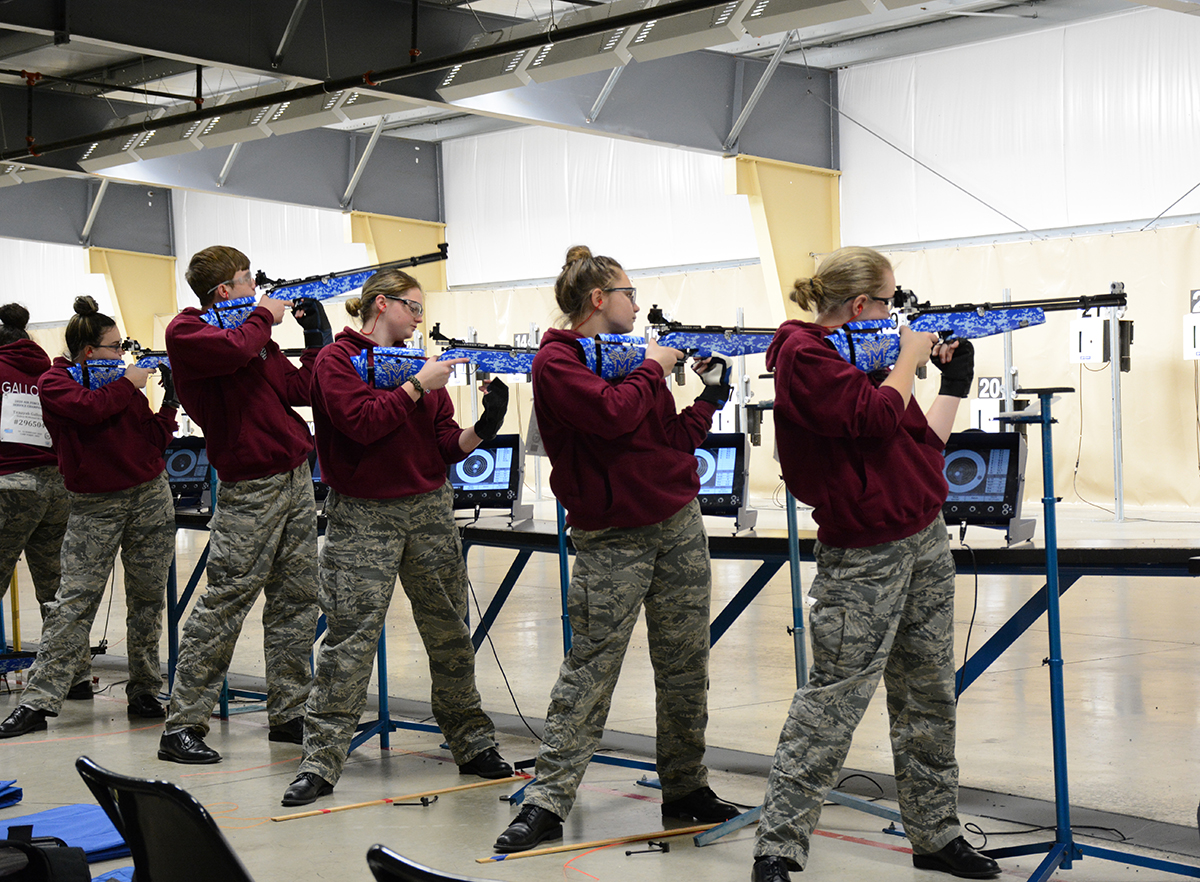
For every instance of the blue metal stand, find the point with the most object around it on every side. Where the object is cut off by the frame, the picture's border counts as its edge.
(1063, 851)
(384, 725)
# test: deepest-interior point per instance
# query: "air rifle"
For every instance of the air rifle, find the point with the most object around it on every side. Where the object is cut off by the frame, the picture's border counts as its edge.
(326, 285)
(703, 340)
(875, 345)
(490, 359)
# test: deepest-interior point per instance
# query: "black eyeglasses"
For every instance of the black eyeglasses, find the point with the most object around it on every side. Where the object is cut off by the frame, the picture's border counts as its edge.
(417, 309)
(631, 293)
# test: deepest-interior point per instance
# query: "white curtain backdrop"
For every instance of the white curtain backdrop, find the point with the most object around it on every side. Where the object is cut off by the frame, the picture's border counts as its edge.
(285, 241)
(47, 278)
(1084, 124)
(516, 200)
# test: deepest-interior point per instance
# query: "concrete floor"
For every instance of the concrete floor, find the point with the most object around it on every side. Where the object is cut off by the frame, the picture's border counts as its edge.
(1132, 697)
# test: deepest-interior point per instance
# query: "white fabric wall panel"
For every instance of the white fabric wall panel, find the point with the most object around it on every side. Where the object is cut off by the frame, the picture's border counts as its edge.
(286, 241)
(1085, 124)
(516, 200)
(46, 279)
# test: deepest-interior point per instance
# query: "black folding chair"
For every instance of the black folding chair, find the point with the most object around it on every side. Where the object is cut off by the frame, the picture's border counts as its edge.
(387, 866)
(171, 835)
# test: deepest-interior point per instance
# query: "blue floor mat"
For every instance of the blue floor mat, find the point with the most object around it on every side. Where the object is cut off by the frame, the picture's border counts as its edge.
(85, 826)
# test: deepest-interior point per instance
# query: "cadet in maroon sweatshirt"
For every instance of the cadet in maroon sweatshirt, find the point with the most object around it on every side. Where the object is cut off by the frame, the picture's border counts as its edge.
(33, 499)
(384, 454)
(624, 466)
(241, 390)
(860, 451)
(110, 452)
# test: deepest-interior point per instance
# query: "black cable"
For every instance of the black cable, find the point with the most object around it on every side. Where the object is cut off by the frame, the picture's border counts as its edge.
(495, 654)
(958, 687)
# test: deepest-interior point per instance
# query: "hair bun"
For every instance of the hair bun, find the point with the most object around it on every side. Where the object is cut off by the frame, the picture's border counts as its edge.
(86, 305)
(818, 288)
(354, 306)
(14, 315)
(577, 253)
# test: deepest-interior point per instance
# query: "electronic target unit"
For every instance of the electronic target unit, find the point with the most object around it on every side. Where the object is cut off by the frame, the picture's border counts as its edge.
(492, 477)
(188, 472)
(722, 464)
(986, 475)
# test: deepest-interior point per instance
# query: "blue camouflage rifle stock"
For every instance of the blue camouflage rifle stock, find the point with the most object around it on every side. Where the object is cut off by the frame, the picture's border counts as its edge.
(875, 345)
(486, 359)
(97, 373)
(328, 285)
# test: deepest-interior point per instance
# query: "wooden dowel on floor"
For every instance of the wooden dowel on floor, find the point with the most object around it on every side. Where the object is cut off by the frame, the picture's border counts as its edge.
(357, 805)
(597, 843)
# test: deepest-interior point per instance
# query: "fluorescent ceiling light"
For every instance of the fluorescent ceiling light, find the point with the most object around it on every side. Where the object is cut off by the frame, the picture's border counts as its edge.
(772, 16)
(584, 55)
(491, 74)
(690, 32)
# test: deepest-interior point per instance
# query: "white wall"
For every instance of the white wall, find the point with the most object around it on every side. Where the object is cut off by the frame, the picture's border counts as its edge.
(285, 241)
(47, 278)
(1084, 124)
(516, 200)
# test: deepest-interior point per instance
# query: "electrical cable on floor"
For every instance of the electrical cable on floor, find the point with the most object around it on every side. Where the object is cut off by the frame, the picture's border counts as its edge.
(878, 786)
(495, 654)
(975, 829)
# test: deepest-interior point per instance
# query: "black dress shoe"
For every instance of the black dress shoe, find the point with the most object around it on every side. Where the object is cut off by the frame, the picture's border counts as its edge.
(488, 764)
(146, 707)
(771, 868)
(22, 720)
(533, 824)
(702, 805)
(307, 788)
(958, 859)
(186, 747)
(291, 732)
(81, 691)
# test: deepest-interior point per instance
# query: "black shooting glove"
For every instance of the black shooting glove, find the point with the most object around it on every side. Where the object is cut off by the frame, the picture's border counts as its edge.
(716, 381)
(495, 405)
(958, 372)
(170, 399)
(317, 330)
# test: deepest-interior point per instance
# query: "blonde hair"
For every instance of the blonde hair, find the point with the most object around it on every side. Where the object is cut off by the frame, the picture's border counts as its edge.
(842, 276)
(391, 282)
(581, 274)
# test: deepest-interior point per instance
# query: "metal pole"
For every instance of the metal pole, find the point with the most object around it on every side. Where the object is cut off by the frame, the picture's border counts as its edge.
(759, 88)
(604, 93)
(288, 33)
(800, 649)
(1114, 363)
(86, 235)
(362, 163)
(1010, 378)
(228, 166)
(739, 410)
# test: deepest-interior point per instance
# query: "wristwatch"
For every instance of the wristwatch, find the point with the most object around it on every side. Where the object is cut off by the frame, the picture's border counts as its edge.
(416, 384)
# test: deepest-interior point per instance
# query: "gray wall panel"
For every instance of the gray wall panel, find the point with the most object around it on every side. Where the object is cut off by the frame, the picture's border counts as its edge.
(55, 211)
(309, 168)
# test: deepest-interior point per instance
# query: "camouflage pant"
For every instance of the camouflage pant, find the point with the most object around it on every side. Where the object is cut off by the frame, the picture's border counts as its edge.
(263, 539)
(367, 542)
(141, 521)
(664, 567)
(33, 518)
(885, 611)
